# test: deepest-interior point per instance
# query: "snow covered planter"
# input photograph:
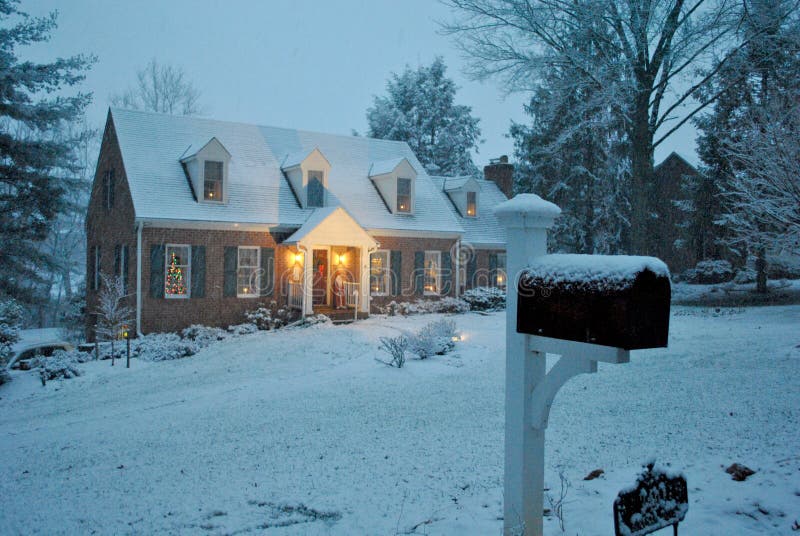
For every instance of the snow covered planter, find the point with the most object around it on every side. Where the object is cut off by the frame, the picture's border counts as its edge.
(619, 301)
(60, 365)
(163, 347)
(485, 299)
(436, 338)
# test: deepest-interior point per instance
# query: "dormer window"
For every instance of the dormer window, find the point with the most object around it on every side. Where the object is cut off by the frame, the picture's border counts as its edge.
(316, 189)
(212, 180)
(472, 204)
(403, 195)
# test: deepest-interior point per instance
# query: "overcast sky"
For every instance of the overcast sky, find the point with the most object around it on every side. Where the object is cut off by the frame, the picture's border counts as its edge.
(312, 65)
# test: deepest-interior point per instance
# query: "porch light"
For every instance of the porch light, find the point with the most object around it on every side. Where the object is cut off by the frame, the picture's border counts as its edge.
(298, 258)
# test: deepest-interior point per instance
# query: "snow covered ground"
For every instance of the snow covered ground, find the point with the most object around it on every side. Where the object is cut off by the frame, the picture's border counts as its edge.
(303, 432)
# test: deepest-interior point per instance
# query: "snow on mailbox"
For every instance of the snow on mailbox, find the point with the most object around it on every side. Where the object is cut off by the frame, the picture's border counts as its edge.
(608, 300)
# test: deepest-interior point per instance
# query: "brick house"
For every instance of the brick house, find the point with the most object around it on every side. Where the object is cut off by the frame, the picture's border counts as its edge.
(207, 219)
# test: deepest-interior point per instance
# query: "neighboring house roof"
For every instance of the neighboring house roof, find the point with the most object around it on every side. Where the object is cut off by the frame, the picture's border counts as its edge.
(258, 192)
(484, 230)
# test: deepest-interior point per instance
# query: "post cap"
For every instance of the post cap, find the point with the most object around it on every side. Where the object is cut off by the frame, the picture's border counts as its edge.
(527, 210)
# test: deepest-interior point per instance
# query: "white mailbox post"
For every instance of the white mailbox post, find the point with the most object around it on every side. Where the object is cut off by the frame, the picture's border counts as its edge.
(530, 389)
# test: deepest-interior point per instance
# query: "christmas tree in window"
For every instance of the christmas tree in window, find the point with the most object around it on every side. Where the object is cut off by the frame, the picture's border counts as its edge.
(175, 284)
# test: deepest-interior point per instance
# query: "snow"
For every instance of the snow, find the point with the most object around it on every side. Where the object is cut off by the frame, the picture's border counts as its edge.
(528, 204)
(303, 428)
(604, 271)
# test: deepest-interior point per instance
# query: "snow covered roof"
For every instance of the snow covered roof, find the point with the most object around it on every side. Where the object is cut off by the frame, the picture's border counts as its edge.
(599, 271)
(343, 229)
(484, 230)
(259, 193)
(454, 183)
(296, 158)
(383, 167)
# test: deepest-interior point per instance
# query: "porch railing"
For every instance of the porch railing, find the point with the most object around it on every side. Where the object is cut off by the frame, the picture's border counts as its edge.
(351, 294)
(296, 295)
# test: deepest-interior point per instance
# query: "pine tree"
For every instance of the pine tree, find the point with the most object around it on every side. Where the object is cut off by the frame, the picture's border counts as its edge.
(420, 109)
(35, 163)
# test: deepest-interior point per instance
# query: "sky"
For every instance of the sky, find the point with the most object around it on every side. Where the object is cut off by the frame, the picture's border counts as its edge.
(312, 65)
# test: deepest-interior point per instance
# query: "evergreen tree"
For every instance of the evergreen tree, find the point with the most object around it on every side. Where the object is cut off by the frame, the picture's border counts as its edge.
(420, 109)
(35, 163)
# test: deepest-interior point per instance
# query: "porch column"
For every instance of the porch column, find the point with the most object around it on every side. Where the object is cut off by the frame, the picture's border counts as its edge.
(308, 281)
(363, 287)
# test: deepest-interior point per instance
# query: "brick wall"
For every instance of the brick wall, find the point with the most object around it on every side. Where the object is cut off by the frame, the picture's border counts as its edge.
(109, 228)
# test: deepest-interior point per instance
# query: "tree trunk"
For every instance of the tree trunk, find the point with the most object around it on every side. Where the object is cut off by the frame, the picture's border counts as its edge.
(642, 179)
(761, 272)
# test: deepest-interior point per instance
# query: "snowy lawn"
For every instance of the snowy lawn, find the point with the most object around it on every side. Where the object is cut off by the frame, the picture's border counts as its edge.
(303, 432)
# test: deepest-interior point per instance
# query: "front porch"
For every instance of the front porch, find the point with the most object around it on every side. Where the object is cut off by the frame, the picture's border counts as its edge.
(331, 275)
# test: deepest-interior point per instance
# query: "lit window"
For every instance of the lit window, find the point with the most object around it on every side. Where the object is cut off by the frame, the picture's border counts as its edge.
(472, 204)
(403, 195)
(176, 271)
(433, 277)
(316, 190)
(212, 175)
(500, 277)
(379, 273)
(247, 272)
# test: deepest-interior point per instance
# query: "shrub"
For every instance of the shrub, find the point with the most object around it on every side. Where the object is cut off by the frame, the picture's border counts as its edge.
(709, 272)
(445, 305)
(313, 320)
(272, 317)
(242, 329)
(60, 365)
(396, 347)
(163, 347)
(10, 321)
(436, 338)
(204, 336)
(745, 276)
(485, 299)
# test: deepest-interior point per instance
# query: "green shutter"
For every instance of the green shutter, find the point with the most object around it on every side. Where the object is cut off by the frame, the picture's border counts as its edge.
(229, 267)
(472, 268)
(447, 273)
(125, 259)
(117, 259)
(396, 263)
(157, 271)
(493, 269)
(198, 272)
(419, 272)
(267, 272)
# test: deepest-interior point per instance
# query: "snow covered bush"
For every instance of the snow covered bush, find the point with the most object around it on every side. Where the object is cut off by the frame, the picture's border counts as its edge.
(242, 329)
(272, 317)
(59, 366)
(745, 276)
(313, 320)
(10, 321)
(436, 338)
(444, 305)
(709, 272)
(163, 347)
(396, 347)
(203, 336)
(485, 299)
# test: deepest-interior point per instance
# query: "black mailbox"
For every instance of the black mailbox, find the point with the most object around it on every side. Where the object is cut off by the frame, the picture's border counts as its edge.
(611, 300)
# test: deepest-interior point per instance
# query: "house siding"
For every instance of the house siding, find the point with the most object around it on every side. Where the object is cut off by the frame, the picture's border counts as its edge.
(109, 228)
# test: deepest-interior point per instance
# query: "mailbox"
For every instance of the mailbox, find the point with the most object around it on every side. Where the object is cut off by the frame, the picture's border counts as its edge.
(610, 300)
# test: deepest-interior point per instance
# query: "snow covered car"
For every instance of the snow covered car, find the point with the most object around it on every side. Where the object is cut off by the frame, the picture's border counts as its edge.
(35, 343)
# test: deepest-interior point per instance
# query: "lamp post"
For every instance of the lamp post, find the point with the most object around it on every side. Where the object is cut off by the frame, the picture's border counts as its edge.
(127, 336)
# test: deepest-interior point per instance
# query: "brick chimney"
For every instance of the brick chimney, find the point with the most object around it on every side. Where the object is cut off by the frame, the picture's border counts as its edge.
(501, 173)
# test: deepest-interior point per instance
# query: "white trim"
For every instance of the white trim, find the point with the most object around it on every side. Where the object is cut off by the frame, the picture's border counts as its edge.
(188, 272)
(438, 291)
(160, 223)
(409, 233)
(257, 267)
(139, 278)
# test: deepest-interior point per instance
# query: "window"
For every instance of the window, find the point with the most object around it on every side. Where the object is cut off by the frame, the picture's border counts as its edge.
(177, 270)
(433, 277)
(500, 276)
(212, 175)
(108, 189)
(403, 195)
(247, 272)
(472, 204)
(123, 267)
(316, 190)
(96, 274)
(380, 278)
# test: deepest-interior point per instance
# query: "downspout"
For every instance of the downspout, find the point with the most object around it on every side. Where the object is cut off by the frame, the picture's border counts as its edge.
(457, 293)
(139, 226)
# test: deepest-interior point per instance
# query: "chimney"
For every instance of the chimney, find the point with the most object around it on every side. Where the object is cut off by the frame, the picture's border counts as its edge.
(501, 173)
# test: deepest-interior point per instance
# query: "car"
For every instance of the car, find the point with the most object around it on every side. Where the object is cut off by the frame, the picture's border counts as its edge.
(35, 343)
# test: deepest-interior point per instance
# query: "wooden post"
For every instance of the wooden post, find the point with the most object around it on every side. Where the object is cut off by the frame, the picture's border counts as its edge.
(526, 219)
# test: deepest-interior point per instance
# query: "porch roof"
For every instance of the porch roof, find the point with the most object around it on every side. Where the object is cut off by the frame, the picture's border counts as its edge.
(332, 226)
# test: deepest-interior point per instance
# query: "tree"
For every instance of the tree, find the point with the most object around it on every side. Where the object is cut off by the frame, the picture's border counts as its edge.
(420, 109)
(749, 140)
(161, 88)
(642, 63)
(37, 166)
(113, 315)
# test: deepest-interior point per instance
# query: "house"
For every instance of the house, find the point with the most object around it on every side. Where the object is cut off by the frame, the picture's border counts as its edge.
(207, 219)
